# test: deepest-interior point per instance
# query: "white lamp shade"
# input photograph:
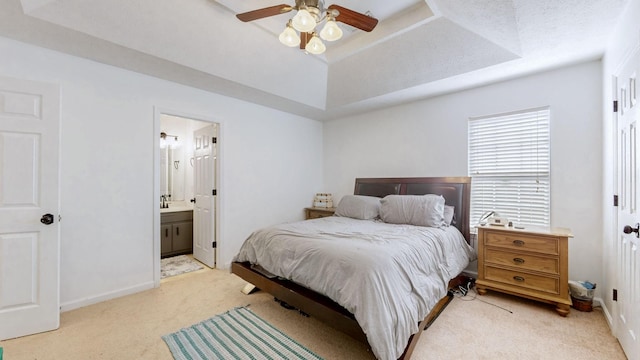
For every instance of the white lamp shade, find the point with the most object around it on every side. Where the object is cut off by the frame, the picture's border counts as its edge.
(173, 142)
(315, 46)
(331, 31)
(303, 21)
(289, 37)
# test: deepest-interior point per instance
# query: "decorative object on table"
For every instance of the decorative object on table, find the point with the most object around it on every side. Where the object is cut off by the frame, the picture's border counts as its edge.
(323, 200)
(235, 334)
(177, 265)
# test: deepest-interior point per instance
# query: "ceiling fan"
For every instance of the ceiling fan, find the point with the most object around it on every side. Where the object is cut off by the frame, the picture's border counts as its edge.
(310, 13)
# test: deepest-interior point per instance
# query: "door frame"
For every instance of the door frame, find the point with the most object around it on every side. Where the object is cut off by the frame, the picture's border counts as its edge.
(157, 114)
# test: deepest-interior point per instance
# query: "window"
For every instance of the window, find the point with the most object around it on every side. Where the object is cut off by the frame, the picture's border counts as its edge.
(509, 159)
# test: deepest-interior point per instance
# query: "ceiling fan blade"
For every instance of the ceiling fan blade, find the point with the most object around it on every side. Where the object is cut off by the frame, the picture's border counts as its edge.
(264, 12)
(355, 19)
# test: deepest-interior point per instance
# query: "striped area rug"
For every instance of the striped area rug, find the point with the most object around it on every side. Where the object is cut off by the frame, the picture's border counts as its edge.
(236, 334)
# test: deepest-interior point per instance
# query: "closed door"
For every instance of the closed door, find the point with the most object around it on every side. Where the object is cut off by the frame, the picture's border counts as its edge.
(204, 185)
(29, 208)
(628, 255)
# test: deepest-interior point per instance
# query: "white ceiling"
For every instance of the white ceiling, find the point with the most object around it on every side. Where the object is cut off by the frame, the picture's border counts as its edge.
(420, 48)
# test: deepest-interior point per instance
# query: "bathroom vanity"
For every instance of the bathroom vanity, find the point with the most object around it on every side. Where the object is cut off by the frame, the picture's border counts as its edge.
(176, 231)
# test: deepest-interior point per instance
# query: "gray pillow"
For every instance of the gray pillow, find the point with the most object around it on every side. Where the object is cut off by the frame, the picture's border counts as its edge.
(419, 210)
(449, 212)
(359, 207)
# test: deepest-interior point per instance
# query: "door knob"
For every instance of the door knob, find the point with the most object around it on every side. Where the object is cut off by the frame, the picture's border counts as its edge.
(628, 230)
(47, 219)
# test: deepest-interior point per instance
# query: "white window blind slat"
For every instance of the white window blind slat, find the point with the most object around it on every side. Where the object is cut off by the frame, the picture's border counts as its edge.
(509, 161)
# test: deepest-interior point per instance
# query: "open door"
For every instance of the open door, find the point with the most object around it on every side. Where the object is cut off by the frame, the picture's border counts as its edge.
(627, 319)
(204, 185)
(29, 208)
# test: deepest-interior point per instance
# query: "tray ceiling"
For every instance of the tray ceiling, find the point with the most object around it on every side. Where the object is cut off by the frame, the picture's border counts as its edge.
(419, 48)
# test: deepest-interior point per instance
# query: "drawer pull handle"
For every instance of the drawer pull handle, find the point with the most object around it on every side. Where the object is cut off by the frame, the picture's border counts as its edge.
(518, 242)
(518, 261)
(518, 278)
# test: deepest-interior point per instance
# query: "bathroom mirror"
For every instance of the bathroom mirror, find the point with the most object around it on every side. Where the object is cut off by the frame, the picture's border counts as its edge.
(172, 173)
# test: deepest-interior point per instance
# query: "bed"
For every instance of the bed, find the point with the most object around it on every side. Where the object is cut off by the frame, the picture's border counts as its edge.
(381, 282)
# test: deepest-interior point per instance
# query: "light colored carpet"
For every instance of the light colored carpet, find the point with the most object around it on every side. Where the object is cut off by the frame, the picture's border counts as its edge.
(131, 327)
(177, 265)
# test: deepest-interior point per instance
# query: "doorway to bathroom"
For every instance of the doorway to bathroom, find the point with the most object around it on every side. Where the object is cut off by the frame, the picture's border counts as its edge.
(186, 188)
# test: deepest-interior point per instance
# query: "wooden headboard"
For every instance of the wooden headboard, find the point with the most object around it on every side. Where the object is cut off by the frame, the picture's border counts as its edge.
(455, 190)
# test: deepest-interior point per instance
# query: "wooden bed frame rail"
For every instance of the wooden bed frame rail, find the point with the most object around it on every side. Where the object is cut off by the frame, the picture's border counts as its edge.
(328, 311)
(307, 301)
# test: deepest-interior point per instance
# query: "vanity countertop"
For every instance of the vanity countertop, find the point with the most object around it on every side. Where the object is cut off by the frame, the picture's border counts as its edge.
(175, 206)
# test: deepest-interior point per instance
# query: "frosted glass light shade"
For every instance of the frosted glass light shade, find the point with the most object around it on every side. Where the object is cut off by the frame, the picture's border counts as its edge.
(315, 46)
(289, 37)
(331, 31)
(303, 21)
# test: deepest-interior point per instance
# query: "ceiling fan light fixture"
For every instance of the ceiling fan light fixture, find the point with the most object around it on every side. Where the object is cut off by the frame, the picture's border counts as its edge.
(309, 14)
(289, 36)
(331, 31)
(315, 46)
(303, 21)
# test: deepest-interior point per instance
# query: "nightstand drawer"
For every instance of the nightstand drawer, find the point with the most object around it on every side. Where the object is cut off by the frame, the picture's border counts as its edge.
(549, 285)
(524, 261)
(521, 242)
(316, 213)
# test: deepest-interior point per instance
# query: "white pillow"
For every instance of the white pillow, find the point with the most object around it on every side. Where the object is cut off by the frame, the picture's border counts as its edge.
(419, 210)
(359, 207)
(449, 212)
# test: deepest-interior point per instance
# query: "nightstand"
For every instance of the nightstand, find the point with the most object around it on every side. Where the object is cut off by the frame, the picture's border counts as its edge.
(314, 212)
(529, 262)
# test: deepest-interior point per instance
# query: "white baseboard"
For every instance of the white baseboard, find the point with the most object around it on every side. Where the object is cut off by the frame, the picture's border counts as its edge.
(607, 314)
(72, 305)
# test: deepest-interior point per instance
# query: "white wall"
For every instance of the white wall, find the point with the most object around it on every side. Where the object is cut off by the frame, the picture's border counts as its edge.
(107, 170)
(273, 162)
(429, 138)
(624, 39)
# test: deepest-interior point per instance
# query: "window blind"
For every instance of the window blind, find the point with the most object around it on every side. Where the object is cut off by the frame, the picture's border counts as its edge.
(509, 162)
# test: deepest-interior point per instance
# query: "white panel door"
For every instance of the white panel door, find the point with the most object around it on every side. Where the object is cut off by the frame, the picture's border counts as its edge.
(29, 247)
(628, 254)
(204, 185)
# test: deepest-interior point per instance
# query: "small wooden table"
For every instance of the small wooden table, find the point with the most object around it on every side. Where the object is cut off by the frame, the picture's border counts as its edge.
(315, 212)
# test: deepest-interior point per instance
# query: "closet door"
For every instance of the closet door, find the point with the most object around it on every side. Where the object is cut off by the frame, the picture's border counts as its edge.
(628, 245)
